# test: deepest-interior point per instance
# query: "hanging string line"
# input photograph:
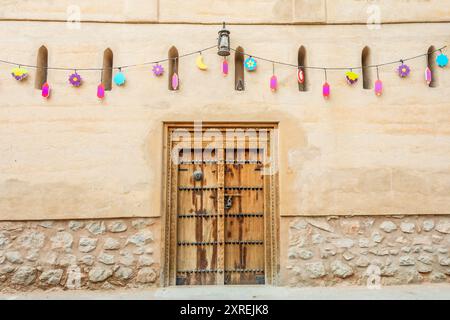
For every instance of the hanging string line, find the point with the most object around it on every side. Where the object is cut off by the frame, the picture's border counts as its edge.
(337, 68)
(113, 68)
(232, 49)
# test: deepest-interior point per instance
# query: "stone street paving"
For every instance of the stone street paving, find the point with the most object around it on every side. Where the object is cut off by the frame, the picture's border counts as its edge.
(407, 292)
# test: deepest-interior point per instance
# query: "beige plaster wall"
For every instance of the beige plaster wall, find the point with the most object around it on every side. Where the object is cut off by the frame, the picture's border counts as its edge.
(75, 157)
(233, 11)
(84, 10)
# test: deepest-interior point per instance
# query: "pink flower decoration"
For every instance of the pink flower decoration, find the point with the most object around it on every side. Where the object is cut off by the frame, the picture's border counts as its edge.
(158, 70)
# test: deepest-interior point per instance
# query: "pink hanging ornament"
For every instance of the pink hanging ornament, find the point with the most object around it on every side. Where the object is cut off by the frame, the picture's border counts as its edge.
(273, 83)
(225, 67)
(273, 80)
(428, 76)
(101, 91)
(326, 90)
(378, 87)
(45, 90)
(175, 81)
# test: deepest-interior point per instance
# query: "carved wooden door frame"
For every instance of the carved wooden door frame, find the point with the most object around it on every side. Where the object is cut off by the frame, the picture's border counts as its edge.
(169, 216)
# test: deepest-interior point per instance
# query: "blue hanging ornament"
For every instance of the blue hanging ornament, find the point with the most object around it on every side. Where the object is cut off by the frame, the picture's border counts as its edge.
(442, 60)
(119, 78)
(250, 64)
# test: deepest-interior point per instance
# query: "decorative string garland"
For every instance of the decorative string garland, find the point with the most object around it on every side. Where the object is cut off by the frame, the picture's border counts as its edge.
(250, 64)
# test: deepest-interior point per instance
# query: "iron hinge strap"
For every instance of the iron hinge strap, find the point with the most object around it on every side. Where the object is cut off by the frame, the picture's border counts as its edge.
(214, 243)
(244, 188)
(197, 188)
(229, 215)
(215, 161)
(184, 188)
(221, 271)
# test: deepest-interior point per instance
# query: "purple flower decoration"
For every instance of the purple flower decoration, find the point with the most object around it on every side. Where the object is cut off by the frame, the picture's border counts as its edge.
(75, 79)
(403, 70)
(158, 70)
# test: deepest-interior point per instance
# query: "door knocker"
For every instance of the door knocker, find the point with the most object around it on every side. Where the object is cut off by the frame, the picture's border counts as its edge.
(228, 202)
(198, 175)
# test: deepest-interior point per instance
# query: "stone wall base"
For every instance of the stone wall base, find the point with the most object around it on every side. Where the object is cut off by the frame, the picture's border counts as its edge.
(79, 254)
(315, 251)
(366, 250)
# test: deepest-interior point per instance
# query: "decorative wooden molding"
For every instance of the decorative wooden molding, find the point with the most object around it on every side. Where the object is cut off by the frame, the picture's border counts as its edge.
(170, 216)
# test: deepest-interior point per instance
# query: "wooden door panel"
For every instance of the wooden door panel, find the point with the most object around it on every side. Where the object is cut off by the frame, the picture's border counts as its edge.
(232, 177)
(197, 230)
(218, 241)
(244, 221)
(209, 174)
(185, 172)
(255, 257)
(251, 174)
(197, 224)
(188, 202)
(185, 227)
(209, 202)
(196, 279)
(185, 260)
(248, 226)
(252, 201)
(244, 256)
(244, 278)
(245, 264)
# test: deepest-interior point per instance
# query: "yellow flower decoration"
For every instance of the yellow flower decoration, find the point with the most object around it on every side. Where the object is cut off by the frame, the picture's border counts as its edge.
(19, 73)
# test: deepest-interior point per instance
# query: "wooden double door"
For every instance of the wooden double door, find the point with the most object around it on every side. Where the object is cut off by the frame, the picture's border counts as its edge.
(223, 232)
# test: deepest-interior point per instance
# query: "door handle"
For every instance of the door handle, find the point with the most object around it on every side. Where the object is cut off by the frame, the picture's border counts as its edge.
(229, 200)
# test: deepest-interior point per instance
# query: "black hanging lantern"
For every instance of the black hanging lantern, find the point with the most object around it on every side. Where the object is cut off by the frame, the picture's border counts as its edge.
(224, 42)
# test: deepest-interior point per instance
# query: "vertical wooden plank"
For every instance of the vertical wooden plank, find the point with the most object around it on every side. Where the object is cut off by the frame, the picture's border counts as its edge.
(200, 255)
(210, 223)
(268, 222)
(232, 225)
(167, 262)
(209, 232)
(173, 221)
(274, 229)
(220, 221)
